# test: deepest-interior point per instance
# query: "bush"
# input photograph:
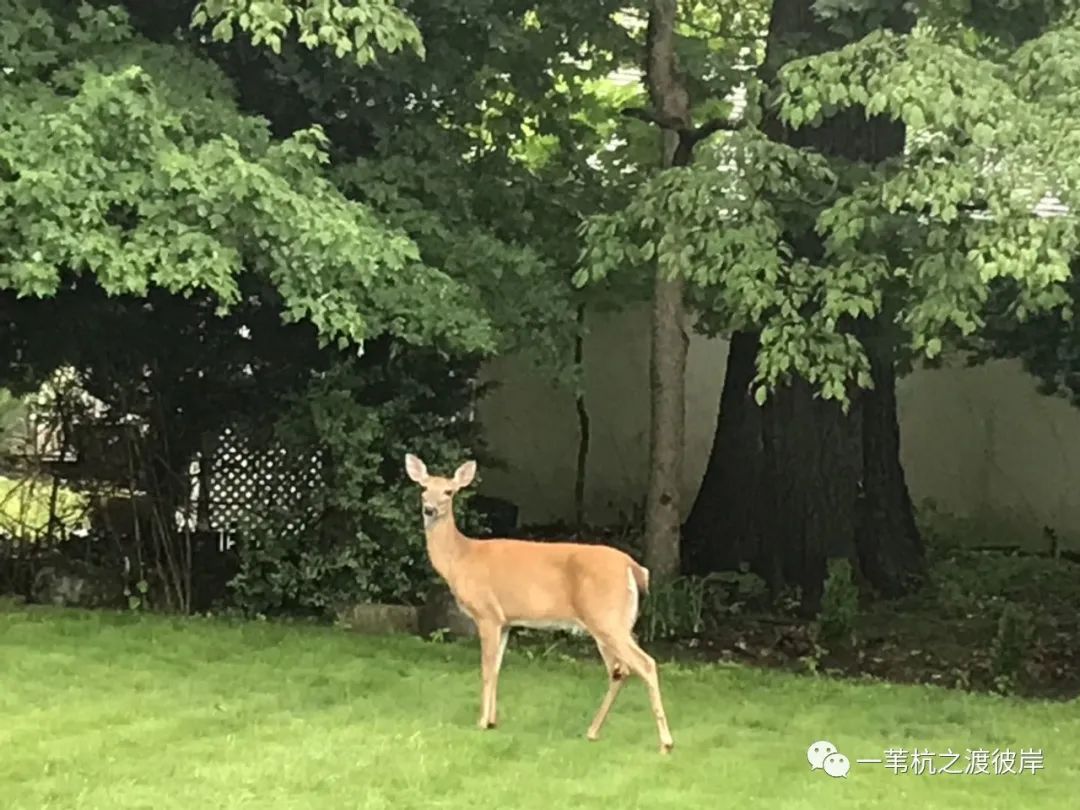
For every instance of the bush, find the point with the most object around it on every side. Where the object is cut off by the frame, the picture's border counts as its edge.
(839, 602)
(1015, 631)
(684, 607)
(674, 609)
(363, 539)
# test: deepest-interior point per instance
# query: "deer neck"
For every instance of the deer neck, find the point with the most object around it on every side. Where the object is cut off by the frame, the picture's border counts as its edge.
(446, 546)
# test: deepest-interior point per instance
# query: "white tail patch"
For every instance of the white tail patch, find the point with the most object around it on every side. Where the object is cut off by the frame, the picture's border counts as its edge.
(635, 597)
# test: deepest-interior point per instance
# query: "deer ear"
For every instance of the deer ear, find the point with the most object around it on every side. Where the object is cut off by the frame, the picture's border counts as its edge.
(415, 469)
(465, 474)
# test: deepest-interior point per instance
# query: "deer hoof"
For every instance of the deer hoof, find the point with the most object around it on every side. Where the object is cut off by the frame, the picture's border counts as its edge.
(592, 736)
(665, 747)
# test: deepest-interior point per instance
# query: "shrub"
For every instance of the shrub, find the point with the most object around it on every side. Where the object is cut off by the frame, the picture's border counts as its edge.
(839, 602)
(684, 607)
(1015, 631)
(674, 609)
(362, 539)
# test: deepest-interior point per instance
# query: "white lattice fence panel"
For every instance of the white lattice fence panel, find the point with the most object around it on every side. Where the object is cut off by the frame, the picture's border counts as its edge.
(249, 482)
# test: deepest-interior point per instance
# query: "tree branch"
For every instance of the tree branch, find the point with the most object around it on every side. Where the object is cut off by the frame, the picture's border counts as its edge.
(739, 39)
(713, 126)
(688, 137)
(648, 116)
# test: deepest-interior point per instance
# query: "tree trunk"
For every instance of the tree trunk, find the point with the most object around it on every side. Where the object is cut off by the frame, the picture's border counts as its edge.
(796, 482)
(583, 425)
(663, 514)
(725, 526)
(667, 358)
(890, 550)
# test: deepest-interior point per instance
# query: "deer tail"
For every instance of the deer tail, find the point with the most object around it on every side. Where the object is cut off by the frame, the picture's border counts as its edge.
(641, 576)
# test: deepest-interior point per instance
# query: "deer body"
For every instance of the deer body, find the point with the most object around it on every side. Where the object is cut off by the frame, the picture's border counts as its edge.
(504, 583)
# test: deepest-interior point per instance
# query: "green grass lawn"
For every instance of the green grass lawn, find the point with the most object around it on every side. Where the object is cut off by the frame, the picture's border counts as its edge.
(113, 711)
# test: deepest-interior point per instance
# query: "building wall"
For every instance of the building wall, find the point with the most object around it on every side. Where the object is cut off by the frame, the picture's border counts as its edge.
(982, 443)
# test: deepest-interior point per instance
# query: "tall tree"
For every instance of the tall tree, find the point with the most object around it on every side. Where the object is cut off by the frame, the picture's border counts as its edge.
(674, 35)
(798, 480)
(667, 354)
(849, 232)
(902, 255)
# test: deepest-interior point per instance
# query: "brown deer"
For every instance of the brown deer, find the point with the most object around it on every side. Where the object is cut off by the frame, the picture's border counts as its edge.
(518, 583)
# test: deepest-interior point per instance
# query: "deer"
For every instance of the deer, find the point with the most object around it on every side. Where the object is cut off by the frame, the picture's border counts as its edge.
(504, 583)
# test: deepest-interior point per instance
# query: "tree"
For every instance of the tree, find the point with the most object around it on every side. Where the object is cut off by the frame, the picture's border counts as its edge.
(1044, 339)
(798, 480)
(127, 160)
(360, 30)
(420, 210)
(670, 38)
(667, 360)
(861, 506)
(840, 258)
(204, 192)
(667, 356)
(217, 267)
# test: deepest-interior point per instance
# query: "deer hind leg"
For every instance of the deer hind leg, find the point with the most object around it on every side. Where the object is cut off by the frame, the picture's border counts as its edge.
(618, 672)
(492, 645)
(642, 664)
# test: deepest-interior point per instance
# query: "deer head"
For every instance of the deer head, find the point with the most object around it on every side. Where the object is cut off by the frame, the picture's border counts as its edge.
(437, 497)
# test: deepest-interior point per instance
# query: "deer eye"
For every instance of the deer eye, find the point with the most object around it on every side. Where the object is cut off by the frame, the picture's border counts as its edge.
(449, 492)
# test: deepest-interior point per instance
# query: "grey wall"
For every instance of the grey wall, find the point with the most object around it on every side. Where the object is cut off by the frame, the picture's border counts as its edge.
(981, 442)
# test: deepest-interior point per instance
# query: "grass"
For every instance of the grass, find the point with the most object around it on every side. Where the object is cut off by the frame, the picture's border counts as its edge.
(106, 710)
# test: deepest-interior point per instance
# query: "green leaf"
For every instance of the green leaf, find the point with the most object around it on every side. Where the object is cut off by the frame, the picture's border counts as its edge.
(914, 117)
(982, 135)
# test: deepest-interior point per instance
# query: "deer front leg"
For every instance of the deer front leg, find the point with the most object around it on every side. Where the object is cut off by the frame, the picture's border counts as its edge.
(504, 635)
(492, 640)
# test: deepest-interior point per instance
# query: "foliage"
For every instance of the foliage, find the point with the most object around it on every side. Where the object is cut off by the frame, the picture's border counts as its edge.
(997, 123)
(356, 28)
(958, 210)
(1046, 342)
(518, 287)
(364, 541)
(486, 152)
(674, 608)
(917, 242)
(687, 607)
(741, 272)
(981, 580)
(839, 603)
(128, 160)
(1015, 629)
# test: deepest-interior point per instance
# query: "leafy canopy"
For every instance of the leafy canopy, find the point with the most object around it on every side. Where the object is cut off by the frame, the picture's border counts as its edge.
(129, 160)
(356, 28)
(916, 243)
